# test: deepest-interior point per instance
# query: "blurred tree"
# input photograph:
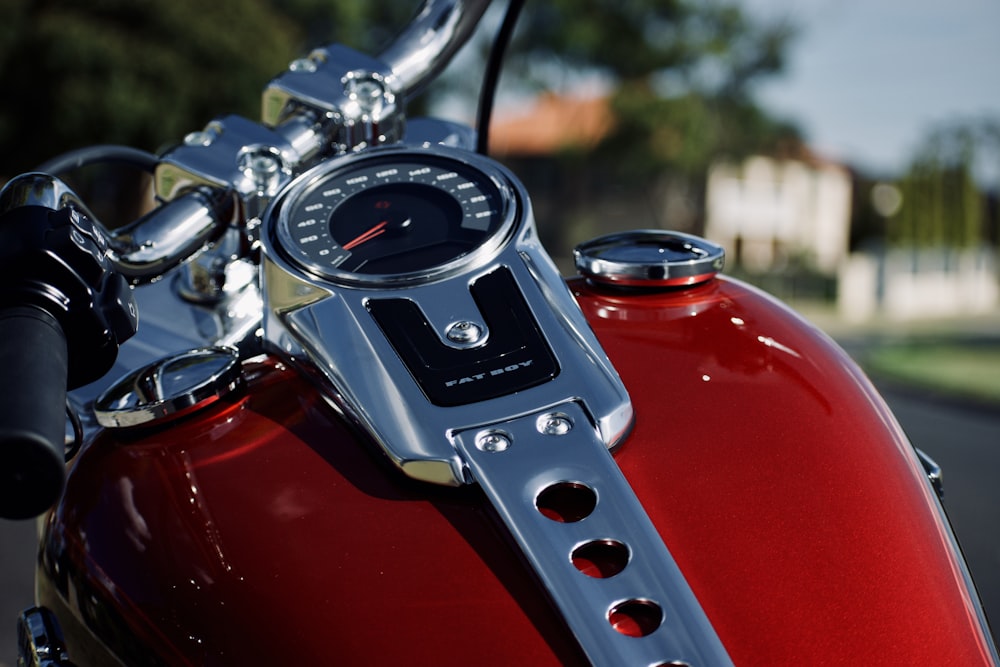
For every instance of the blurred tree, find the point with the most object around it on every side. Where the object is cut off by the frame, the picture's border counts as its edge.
(140, 73)
(680, 78)
(944, 203)
(682, 74)
(144, 74)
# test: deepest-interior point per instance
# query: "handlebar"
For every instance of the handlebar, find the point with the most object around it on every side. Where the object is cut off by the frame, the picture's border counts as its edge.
(64, 311)
(439, 29)
(35, 363)
(145, 249)
(166, 236)
(58, 334)
(222, 161)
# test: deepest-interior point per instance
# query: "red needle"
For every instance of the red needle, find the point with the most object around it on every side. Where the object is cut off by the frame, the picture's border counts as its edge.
(367, 236)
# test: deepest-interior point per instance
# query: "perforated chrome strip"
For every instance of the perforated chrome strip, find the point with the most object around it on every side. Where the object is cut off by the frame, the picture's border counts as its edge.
(582, 529)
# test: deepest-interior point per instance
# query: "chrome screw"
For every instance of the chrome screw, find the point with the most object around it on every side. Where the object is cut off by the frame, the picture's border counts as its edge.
(465, 333)
(493, 442)
(205, 136)
(554, 424)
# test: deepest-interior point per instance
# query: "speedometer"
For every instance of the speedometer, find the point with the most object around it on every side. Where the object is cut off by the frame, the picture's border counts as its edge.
(397, 215)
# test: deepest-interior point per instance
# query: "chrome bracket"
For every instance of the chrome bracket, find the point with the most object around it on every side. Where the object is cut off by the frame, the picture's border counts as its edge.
(359, 93)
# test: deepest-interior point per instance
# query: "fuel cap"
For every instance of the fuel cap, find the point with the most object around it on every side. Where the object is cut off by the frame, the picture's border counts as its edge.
(176, 385)
(649, 258)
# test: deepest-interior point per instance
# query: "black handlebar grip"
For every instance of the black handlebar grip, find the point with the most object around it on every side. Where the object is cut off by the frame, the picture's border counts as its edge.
(33, 370)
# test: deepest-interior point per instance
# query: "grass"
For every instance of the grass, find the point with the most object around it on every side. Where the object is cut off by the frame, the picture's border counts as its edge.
(969, 370)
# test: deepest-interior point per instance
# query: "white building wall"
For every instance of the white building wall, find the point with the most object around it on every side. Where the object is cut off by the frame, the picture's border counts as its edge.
(911, 285)
(774, 208)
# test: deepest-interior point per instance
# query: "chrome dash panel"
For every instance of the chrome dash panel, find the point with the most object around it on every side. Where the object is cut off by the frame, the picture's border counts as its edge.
(334, 324)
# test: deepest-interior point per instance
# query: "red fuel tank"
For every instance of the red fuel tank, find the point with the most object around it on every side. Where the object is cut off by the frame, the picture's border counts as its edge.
(266, 531)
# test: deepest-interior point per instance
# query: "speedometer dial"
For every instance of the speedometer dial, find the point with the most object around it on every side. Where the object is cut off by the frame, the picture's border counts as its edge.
(393, 216)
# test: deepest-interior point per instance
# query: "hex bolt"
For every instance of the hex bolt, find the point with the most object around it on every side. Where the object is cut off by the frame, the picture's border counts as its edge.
(262, 168)
(366, 92)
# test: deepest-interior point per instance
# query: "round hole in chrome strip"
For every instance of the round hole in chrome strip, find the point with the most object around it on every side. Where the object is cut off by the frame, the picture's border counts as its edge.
(600, 559)
(566, 502)
(636, 618)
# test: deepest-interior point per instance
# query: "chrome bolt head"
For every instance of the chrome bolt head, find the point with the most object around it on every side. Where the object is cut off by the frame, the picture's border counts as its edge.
(465, 333)
(493, 442)
(204, 137)
(262, 167)
(367, 92)
(554, 423)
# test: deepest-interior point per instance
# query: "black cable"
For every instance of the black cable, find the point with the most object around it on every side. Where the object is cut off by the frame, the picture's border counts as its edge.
(83, 157)
(491, 77)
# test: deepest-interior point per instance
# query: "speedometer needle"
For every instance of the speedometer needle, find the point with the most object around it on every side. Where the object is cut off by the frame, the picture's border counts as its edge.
(367, 236)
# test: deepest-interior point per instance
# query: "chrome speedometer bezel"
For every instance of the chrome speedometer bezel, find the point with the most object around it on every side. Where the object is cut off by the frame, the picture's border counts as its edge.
(278, 218)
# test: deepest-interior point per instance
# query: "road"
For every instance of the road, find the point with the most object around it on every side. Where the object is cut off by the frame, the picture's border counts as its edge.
(17, 563)
(964, 440)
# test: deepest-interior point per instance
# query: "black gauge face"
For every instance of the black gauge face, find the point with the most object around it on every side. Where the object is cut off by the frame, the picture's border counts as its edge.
(392, 216)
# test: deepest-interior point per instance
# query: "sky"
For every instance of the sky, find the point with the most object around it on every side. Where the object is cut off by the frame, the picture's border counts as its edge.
(867, 79)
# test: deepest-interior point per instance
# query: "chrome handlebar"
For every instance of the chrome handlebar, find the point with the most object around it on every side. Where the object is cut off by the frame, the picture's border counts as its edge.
(349, 103)
(148, 247)
(166, 236)
(434, 35)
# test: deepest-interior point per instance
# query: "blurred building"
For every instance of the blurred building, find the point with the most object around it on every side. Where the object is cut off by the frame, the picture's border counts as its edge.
(911, 284)
(766, 211)
(786, 223)
(550, 124)
(577, 192)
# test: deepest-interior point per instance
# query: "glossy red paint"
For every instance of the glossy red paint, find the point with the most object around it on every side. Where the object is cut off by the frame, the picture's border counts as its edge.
(264, 531)
(782, 484)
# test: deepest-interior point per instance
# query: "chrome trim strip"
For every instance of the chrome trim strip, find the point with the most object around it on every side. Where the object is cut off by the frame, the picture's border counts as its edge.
(544, 450)
(516, 445)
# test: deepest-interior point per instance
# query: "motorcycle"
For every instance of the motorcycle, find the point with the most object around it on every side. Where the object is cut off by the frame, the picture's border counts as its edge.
(332, 402)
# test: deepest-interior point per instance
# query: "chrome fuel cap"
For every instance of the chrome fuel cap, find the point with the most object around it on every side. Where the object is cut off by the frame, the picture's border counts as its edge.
(171, 387)
(649, 258)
